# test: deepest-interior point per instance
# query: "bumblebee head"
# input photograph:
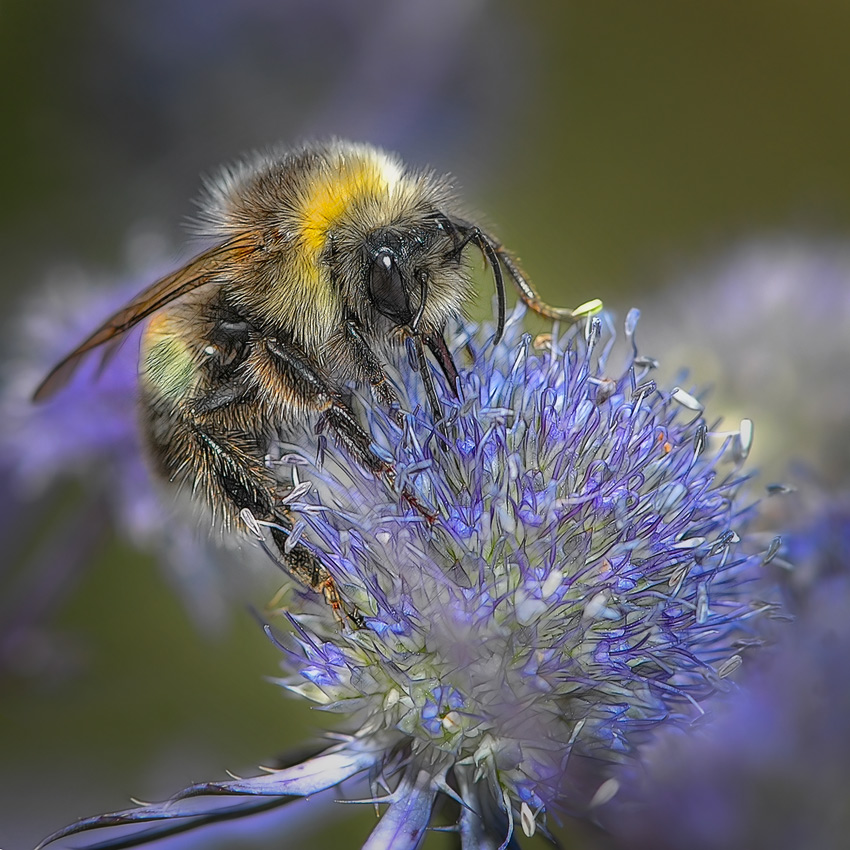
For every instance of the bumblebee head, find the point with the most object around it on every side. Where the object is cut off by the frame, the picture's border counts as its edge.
(417, 276)
(395, 283)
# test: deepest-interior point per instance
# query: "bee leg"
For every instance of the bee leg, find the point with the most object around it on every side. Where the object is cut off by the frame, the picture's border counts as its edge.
(298, 376)
(372, 369)
(227, 470)
(301, 563)
(355, 440)
(223, 466)
(297, 561)
(246, 483)
(417, 355)
(495, 255)
(374, 372)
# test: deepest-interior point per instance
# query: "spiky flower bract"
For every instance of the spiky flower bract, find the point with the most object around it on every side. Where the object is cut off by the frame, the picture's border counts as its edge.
(573, 574)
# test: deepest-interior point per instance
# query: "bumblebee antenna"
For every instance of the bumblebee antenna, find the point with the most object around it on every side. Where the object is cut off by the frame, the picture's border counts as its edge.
(462, 234)
(496, 257)
(533, 301)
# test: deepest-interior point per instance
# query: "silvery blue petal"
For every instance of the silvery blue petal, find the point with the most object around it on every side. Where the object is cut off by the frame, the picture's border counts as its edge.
(203, 803)
(126, 830)
(405, 822)
(483, 826)
(300, 780)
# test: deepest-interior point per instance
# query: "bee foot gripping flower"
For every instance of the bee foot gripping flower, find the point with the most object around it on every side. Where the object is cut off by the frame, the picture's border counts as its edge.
(585, 579)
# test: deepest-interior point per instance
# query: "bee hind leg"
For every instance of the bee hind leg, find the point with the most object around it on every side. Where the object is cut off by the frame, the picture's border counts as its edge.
(301, 563)
(226, 470)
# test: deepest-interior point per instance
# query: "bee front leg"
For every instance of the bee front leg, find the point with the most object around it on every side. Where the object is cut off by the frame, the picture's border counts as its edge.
(371, 368)
(296, 376)
(288, 372)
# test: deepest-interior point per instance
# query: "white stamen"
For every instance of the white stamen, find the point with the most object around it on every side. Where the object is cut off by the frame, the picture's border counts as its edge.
(597, 607)
(251, 522)
(678, 576)
(689, 543)
(605, 792)
(452, 722)
(297, 492)
(588, 308)
(294, 537)
(552, 583)
(772, 550)
(728, 667)
(686, 400)
(702, 603)
(745, 438)
(527, 820)
(576, 731)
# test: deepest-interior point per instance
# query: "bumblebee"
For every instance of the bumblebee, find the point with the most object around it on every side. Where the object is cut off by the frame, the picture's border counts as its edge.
(325, 260)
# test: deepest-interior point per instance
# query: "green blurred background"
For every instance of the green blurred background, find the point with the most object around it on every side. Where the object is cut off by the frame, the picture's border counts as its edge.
(607, 142)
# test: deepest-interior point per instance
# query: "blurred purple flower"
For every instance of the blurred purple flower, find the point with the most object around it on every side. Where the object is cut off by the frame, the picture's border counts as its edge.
(584, 580)
(817, 543)
(768, 325)
(86, 433)
(89, 428)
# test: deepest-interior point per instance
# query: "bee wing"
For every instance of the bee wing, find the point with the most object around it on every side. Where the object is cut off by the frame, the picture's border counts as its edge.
(198, 272)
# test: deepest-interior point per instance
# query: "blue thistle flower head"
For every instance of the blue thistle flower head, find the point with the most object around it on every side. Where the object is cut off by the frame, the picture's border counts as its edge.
(574, 574)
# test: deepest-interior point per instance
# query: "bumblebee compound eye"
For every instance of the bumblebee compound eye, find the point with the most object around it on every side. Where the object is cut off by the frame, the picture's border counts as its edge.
(386, 287)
